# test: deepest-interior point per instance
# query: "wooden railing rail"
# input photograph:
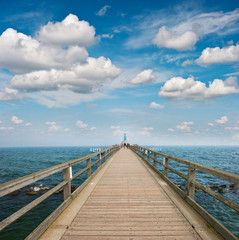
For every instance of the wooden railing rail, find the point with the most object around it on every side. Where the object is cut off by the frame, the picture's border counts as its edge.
(190, 178)
(66, 168)
(147, 154)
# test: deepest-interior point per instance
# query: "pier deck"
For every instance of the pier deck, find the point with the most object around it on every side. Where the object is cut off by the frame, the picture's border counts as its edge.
(127, 200)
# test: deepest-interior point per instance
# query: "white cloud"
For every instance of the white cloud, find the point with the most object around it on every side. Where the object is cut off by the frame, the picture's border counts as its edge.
(210, 124)
(79, 78)
(147, 131)
(16, 120)
(70, 31)
(103, 10)
(52, 126)
(185, 41)
(223, 120)
(185, 126)
(227, 54)
(110, 36)
(28, 124)
(10, 94)
(56, 61)
(144, 77)
(189, 19)
(6, 128)
(81, 124)
(170, 129)
(21, 53)
(186, 63)
(115, 127)
(50, 123)
(231, 128)
(180, 88)
(93, 128)
(155, 105)
(67, 130)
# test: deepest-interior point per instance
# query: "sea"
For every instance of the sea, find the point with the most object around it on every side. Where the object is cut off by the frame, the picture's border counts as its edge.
(17, 162)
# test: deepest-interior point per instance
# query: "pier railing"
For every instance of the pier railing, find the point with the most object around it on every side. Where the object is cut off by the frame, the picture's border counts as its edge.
(66, 168)
(153, 158)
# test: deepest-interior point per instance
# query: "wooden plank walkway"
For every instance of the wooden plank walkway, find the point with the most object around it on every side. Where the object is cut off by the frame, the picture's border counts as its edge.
(127, 203)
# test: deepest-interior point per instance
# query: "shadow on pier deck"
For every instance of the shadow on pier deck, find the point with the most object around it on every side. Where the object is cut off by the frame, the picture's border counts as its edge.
(128, 200)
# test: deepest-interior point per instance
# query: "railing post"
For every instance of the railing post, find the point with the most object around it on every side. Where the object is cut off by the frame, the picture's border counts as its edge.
(155, 158)
(104, 156)
(166, 167)
(67, 177)
(144, 154)
(191, 177)
(98, 159)
(88, 167)
(148, 156)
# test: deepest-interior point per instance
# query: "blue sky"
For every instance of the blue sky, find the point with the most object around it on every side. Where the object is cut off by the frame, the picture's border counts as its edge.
(85, 72)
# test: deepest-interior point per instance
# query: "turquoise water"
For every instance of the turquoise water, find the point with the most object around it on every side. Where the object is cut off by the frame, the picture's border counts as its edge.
(17, 162)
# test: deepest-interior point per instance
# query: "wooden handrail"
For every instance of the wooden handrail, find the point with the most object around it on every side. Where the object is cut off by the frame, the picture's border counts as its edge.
(13, 185)
(192, 166)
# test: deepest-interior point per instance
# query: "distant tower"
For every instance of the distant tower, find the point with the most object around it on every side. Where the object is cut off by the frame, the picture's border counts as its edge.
(125, 141)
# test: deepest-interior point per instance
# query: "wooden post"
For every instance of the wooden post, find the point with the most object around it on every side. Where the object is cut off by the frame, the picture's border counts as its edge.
(148, 156)
(191, 177)
(98, 159)
(144, 154)
(67, 177)
(89, 167)
(155, 158)
(166, 167)
(104, 156)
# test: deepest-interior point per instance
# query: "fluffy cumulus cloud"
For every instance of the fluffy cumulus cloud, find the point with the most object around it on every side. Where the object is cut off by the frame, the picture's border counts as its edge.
(223, 120)
(180, 88)
(81, 124)
(55, 60)
(144, 77)
(184, 41)
(52, 126)
(21, 53)
(218, 55)
(16, 120)
(79, 78)
(154, 105)
(185, 126)
(70, 31)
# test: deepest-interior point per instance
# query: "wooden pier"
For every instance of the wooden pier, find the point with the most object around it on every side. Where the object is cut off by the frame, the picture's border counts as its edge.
(126, 197)
(125, 201)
